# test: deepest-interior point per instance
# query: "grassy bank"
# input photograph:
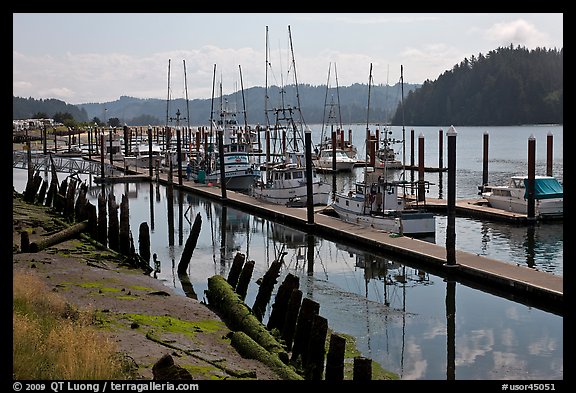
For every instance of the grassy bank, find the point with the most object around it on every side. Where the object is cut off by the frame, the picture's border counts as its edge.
(52, 340)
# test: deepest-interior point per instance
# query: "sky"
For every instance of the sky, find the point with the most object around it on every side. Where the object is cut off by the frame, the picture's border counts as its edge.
(97, 57)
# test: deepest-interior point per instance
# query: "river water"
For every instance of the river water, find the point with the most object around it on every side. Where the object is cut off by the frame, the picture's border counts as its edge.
(410, 321)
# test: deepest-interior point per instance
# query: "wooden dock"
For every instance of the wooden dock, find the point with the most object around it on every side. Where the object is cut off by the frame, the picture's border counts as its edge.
(519, 283)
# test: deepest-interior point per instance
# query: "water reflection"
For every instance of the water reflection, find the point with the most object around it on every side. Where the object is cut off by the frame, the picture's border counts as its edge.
(402, 317)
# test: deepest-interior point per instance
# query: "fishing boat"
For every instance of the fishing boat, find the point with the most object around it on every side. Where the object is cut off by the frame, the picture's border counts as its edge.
(285, 181)
(513, 197)
(385, 157)
(240, 169)
(141, 154)
(377, 202)
(334, 160)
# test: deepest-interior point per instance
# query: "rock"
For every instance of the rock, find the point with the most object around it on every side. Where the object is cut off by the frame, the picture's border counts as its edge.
(165, 370)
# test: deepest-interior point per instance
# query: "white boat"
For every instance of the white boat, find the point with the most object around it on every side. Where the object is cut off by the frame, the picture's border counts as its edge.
(513, 197)
(287, 185)
(377, 203)
(140, 157)
(241, 171)
(328, 156)
(286, 181)
(386, 155)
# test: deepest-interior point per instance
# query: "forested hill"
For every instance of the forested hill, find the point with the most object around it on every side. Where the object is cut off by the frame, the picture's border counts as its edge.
(507, 86)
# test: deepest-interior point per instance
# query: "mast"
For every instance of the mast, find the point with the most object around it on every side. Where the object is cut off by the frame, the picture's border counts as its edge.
(367, 141)
(211, 116)
(338, 98)
(189, 134)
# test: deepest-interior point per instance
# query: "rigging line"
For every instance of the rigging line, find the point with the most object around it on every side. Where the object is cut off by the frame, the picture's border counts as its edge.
(338, 98)
(325, 104)
(187, 104)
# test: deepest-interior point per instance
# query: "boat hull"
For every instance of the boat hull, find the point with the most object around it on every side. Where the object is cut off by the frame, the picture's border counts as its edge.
(293, 195)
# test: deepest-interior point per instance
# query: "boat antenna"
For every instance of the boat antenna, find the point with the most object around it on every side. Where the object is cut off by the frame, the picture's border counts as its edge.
(212, 110)
(402, 107)
(403, 131)
(168, 97)
(187, 106)
(266, 97)
(368, 117)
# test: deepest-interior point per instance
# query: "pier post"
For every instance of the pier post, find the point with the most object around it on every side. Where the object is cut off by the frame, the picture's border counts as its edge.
(412, 148)
(150, 152)
(451, 228)
(309, 184)
(549, 153)
(333, 161)
(485, 160)
(179, 151)
(221, 162)
(111, 152)
(440, 150)
(421, 189)
(531, 175)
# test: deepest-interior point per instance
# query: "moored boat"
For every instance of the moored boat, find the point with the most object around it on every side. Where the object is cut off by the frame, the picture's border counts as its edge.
(513, 197)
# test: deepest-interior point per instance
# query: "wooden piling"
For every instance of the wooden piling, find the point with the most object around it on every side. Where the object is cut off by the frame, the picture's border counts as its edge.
(113, 228)
(308, 309)
(124, 233)
(289, 326)
(280, 306)
(236, 268)
(144, 241)
(485, 159)
(421, 186)
(102, 235)
(244, 279)
(335, 358)
(362, 369)
(549, 153)
(91, 216)
(313, 358)
(190, 245)
(69, 202)
(42, 193)
(265, 290)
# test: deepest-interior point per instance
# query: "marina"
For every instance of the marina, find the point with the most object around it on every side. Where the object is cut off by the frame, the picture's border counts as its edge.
(345, 273)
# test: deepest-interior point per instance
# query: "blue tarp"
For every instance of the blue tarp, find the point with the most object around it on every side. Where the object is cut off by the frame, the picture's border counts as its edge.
(545, 188)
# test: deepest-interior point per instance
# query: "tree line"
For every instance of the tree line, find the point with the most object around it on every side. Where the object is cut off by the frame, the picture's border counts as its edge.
(507, 86)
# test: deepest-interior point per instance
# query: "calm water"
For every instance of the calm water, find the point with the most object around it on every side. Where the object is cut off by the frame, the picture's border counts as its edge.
(397, 313)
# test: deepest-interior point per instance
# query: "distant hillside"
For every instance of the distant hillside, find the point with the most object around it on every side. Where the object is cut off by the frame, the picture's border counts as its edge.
(353, 104)
(314, 100)
(505, 87)
(26, 108)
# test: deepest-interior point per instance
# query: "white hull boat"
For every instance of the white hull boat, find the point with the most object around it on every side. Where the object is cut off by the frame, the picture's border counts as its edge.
(548, 196)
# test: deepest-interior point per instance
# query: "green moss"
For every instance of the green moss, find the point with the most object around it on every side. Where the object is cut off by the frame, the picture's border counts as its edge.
(175, 325)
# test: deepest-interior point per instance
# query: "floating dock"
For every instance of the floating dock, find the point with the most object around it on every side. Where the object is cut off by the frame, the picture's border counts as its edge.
(519, 283)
